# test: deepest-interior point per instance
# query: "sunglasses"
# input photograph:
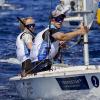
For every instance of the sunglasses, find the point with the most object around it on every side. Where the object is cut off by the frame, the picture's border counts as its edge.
(30, 25)
(60, 20)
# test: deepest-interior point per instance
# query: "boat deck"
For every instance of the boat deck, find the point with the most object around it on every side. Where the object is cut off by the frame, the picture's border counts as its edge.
(62, 70)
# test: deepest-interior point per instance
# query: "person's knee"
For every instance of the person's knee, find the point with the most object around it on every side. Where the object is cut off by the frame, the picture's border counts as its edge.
(27, 65)
(48, 63)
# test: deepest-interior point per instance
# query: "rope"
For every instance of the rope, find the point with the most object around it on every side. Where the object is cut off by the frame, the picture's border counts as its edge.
(75, 43)
(26, 27)
(49, 41)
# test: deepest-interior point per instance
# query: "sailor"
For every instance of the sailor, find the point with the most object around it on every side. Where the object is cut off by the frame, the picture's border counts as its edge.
(24, 43)
(46, 42)
(73, 8)
(72, 5)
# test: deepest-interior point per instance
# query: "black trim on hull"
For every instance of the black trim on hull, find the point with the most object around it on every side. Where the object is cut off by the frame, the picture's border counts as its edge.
(73, 83)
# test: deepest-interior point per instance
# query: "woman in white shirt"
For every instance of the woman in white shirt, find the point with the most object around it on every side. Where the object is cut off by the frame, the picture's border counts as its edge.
(24, 44)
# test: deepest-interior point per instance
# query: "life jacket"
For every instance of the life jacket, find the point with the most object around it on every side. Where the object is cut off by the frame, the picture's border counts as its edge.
(41, 50)
(22, 51)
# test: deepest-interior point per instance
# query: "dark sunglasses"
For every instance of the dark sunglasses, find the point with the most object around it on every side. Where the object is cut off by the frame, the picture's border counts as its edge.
(30, 25)
(60, 20)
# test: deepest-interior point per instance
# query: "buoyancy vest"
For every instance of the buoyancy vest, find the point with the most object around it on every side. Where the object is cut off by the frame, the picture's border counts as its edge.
(40, 51)
(22, 51)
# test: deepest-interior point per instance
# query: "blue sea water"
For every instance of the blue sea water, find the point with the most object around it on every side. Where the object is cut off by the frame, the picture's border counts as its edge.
(39, 9)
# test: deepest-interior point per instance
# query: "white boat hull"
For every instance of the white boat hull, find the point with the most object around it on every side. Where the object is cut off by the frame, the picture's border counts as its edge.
(51, 84)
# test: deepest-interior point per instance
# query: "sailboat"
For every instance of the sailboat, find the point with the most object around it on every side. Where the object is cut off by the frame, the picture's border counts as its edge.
(5, 5)
(64, 78)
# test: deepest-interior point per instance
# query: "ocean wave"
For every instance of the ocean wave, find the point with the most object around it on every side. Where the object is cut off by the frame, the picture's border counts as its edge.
(4, 13)
(10, 60)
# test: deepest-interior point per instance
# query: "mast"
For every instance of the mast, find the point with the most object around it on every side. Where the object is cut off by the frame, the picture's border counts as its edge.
(86, 50)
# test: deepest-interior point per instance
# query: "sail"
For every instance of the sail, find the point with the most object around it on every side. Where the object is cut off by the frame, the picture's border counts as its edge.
(79, 8)
(90, 5)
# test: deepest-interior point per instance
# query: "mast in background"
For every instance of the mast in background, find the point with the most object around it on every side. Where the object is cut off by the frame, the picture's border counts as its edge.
(86, 51)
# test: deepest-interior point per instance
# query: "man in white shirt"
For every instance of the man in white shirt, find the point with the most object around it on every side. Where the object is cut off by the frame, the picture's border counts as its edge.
(46, 43)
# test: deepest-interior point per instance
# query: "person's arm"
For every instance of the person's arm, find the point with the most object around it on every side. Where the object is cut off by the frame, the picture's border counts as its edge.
(27, 38)
(70, 35)
(29, 45)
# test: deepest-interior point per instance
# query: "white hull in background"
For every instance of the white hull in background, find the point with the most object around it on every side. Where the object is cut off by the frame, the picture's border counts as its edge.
(61, 80)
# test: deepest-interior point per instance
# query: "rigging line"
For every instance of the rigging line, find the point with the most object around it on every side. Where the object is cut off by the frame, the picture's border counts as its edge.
(50, 16)
(50, 13)
(26, 27)
(34, 68)
(75, 43)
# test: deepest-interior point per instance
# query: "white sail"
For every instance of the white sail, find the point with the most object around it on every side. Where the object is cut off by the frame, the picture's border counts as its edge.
(81, 7)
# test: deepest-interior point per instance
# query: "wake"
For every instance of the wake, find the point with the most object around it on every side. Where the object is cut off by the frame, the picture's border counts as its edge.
(10, 60)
